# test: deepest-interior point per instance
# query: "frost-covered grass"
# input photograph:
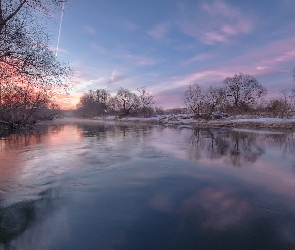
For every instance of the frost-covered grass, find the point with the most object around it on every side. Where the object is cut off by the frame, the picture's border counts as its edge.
(266, 119)
(184, 118)
(266, 132)
(187, 120)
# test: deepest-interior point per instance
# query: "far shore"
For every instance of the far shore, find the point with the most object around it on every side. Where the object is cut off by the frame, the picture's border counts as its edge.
(260, 123)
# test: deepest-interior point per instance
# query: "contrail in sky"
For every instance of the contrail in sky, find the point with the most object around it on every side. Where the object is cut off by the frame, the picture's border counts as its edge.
(60, 24)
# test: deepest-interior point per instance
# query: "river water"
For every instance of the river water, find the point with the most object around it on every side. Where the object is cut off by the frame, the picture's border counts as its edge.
(105, 186)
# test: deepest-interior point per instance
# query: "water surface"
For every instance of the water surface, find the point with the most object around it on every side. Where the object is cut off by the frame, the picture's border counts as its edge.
(103, 186)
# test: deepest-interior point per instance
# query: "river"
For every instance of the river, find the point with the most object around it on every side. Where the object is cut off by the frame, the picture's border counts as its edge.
(88, 185)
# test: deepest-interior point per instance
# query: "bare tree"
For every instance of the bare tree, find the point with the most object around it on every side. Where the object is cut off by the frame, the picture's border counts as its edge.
(215, 98)
(125, 101)
(243, 91)
(175, 111)
(283, 106)
(159, 110)
(194, 99)
(93, 103)
(20, 104)
(145, 102)
(24, 49)
(102, 96)
(25, 55)
(11, 10)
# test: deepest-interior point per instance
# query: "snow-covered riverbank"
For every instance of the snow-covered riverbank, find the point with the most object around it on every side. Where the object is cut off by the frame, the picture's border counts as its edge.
(187, 121)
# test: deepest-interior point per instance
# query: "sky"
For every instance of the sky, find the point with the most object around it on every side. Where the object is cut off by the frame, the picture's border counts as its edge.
(169, 44)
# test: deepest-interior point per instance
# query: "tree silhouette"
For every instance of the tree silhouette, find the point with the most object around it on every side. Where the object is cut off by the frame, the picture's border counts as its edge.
(194, 99)
(243, 91)
(25, 58)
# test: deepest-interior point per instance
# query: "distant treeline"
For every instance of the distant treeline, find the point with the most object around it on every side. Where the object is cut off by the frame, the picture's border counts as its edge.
(125, 103)
(239, 94)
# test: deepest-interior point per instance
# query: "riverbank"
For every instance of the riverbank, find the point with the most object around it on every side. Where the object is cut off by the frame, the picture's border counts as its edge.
(232, 122)
(182, 121)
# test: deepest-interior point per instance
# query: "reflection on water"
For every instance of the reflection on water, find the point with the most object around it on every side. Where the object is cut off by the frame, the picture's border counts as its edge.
(236, 148)
(102, 186)
(239, 147)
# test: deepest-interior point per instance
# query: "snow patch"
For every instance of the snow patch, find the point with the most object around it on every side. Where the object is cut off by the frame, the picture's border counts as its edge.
(264, 120)
(262, 132)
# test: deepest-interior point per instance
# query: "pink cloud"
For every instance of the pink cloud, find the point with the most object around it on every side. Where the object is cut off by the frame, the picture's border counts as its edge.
(233, 21)
(267, 59)
(82, 78)
(229, 30)
(287, 56)
(220, 22)
(261, 68)
(196, 58)
(212, 37)
(221, 8)
(159, 31)
(116, 77)
(205, 77)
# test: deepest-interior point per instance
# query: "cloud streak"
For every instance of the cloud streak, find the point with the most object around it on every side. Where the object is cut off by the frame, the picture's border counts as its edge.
(224, 23)
(116, 77)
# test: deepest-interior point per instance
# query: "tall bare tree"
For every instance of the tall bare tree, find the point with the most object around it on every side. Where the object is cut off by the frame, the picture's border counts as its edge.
(11, 10)
(24, 50)
(145, 101)
(102, 96)
(243, 90)
(93, 103)
(194, 99)
(126, 101)
(284, 105)
(215, 98)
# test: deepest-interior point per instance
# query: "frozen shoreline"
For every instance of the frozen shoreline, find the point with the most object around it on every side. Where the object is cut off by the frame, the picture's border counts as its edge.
(187, 121)
(181, 122)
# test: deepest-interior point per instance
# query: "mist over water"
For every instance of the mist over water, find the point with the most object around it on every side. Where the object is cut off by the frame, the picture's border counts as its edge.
(103, 186)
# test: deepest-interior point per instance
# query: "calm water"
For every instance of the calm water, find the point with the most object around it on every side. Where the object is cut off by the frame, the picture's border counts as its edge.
(95, 186)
